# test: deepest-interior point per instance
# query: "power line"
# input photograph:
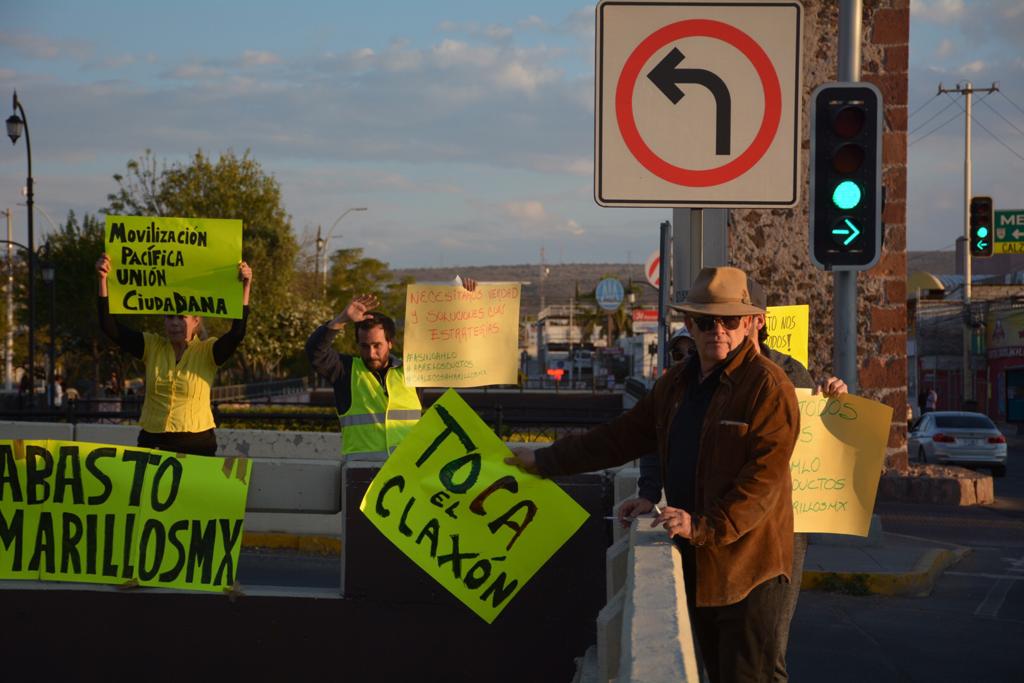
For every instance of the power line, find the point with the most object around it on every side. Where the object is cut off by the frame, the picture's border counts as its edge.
(1011, 102)
(934, 130)
(999, 114)
(923, 106)
(952, 101)
(996, 138)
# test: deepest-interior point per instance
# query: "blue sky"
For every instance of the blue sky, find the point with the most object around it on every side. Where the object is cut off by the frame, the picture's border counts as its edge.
(466, 128)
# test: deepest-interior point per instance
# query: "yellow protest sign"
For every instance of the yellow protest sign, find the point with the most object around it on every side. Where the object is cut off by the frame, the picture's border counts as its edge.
(200, 502)
(449, 502)
(176, 266)
(457, 338)
(837, 462)
(93, 513)
(788, 328)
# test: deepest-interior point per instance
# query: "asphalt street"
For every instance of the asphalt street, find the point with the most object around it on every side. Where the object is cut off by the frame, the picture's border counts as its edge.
(971, 626)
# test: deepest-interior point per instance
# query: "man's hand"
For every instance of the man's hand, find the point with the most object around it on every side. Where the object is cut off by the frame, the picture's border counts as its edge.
(469, 283)
(634, 507)
(524, 459)
(676, 522)
(832, 387)
(357, 310)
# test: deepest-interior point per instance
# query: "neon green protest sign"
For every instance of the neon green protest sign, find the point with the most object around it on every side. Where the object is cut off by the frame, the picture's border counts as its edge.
(92, 513)
(174, 266)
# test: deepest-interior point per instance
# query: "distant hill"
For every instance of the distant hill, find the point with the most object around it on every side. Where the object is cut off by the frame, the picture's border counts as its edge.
(561, 283)
(934, 262)
(564, 278)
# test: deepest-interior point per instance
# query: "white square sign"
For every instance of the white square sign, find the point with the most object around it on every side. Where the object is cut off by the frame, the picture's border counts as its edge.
(697, 104)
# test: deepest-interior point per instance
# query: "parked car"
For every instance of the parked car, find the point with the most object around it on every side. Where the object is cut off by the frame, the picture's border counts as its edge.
(958, 438)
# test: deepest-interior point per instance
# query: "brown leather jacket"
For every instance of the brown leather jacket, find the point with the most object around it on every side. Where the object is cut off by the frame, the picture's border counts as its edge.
(743, 524)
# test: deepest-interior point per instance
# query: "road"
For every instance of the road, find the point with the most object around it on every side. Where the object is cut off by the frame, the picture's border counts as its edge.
(970, 628)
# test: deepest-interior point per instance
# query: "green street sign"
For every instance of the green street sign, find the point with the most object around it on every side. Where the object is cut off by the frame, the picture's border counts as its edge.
(1009, 231)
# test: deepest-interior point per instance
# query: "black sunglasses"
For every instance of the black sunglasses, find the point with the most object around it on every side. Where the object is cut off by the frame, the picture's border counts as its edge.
(706, 323)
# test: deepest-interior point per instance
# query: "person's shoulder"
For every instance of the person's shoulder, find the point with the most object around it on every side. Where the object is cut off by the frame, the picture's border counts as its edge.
(764, 368)
(794, 369)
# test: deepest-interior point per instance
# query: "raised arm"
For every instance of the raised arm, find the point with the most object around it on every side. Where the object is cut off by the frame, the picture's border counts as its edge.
(325, 360)
(128, 339)
(228, 343)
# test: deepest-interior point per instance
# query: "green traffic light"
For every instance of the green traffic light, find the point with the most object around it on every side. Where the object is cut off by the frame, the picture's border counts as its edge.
(982, 231)
(846, 195)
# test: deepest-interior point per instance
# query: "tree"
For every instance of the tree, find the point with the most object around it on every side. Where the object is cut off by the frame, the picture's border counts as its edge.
(233, 187)
(351, 273)
(80, 348)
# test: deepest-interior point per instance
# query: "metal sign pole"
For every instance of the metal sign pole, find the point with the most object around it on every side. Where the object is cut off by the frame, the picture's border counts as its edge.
(664, 272)
(844, 282)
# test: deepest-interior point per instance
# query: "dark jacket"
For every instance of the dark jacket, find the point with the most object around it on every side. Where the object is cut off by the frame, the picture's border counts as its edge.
(743, 522)
(336, 367)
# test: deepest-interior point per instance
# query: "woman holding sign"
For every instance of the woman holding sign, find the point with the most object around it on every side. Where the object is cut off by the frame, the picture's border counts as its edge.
(180, 368)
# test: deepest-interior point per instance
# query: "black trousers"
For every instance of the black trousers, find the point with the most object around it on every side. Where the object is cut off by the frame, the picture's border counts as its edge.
(193, 443)
(738, 643)
(789, 605)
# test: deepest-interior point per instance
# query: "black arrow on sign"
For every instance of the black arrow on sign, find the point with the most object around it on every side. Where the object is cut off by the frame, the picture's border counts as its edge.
(666, 76)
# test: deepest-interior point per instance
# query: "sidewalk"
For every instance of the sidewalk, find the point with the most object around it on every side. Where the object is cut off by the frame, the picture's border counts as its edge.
(884, 563)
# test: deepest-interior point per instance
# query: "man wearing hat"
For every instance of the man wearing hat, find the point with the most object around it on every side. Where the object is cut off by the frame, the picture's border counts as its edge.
(724, 427)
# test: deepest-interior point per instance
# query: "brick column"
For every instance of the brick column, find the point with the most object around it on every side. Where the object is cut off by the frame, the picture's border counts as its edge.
(772, 244)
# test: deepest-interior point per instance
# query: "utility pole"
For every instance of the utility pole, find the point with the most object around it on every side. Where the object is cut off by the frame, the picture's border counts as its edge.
(967, 90)
(9, 342)
(541, 356)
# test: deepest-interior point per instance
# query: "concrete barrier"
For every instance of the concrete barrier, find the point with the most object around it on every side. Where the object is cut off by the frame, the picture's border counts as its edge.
(644, 631)
(37, 430)
(295, 492)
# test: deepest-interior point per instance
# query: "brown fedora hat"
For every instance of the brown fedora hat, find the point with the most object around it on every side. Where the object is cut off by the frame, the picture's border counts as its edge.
(720, 291)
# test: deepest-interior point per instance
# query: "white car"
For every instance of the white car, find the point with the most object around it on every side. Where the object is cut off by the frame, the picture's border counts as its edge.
(958, 438)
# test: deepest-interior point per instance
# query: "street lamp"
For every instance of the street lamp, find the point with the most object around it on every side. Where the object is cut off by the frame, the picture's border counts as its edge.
(15, 124)
(321, 244)
(48, 277)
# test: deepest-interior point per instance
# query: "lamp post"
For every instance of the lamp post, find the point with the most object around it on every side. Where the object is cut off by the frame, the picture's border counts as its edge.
(15, 124)
(51, 282)
(321, 244)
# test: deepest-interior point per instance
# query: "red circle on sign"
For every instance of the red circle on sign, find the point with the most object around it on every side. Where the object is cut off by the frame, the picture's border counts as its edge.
(698, 28)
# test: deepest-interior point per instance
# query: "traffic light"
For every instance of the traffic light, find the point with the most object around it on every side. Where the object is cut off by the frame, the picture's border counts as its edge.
(981, 216)
(846, 176)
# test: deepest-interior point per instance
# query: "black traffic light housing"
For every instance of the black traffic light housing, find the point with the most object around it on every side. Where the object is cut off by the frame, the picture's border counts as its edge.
(981, 218)
(846, 176)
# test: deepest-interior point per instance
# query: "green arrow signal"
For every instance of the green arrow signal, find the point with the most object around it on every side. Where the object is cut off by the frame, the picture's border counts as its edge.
(851, 230)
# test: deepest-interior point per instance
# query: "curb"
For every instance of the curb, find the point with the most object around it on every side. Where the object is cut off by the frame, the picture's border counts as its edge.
(916, 583)
(320, 545)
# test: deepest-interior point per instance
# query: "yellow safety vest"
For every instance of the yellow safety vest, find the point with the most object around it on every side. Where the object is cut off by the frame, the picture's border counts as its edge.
(376, 422)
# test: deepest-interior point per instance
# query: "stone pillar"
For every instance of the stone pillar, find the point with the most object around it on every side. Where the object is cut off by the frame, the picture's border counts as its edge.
(772, 244)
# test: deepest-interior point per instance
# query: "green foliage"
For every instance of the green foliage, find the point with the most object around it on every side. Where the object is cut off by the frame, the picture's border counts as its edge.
(238, 188)
(84, 356)
(351, 274)
(304, 418)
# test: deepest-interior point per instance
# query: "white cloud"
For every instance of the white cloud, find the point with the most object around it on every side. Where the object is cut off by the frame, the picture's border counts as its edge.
(519, 76)
(533, 22)
(531, 211)
(43, 47)
(574, 228)
(938, 11)
(975, 67)
(195, 71)
(259, 58)
(945, 48)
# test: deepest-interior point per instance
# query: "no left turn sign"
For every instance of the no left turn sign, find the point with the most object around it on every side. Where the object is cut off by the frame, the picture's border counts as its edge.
(697, 104)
